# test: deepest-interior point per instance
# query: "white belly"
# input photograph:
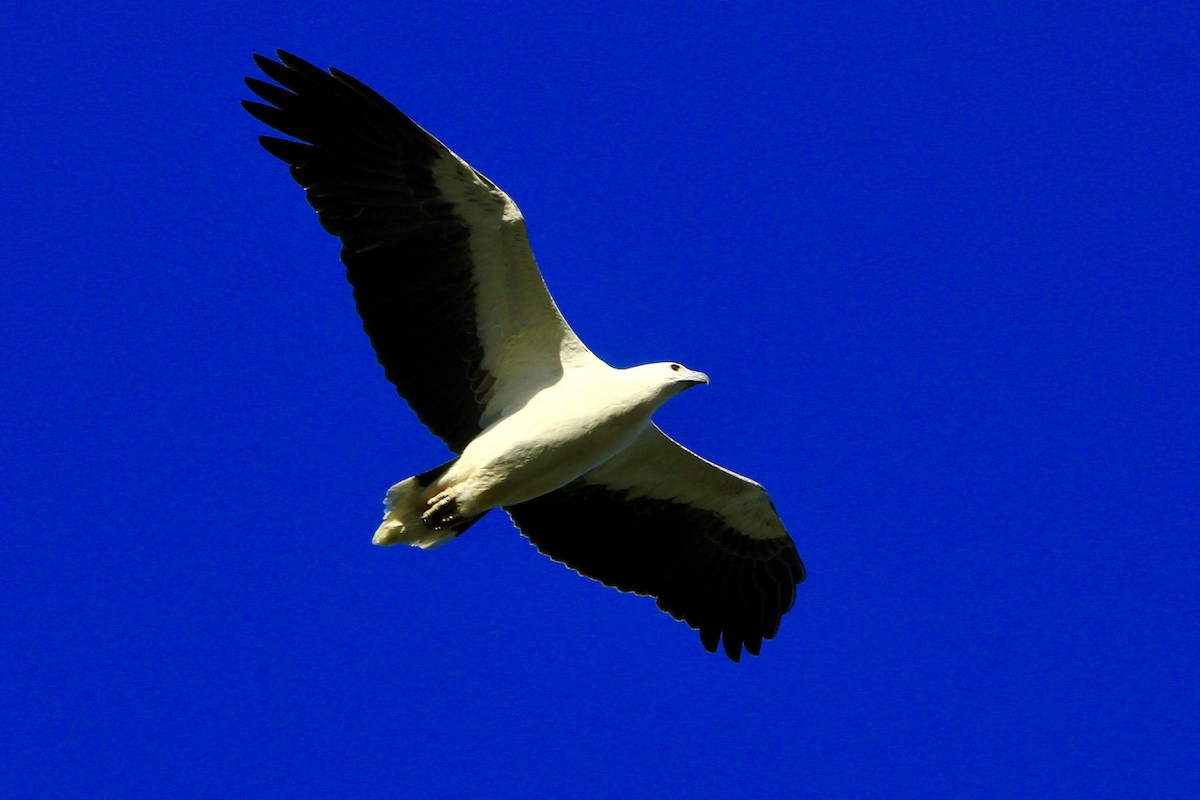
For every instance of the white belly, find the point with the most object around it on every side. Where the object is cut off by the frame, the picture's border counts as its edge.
(551, 441)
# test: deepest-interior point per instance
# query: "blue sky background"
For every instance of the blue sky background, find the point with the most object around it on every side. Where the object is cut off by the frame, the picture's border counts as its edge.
(940, 261)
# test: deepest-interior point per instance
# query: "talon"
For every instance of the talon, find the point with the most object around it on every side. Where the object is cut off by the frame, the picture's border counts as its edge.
(442, 513)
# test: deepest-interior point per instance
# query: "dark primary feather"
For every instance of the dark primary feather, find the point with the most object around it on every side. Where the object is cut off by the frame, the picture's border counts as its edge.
(366, 169)
(732, 588)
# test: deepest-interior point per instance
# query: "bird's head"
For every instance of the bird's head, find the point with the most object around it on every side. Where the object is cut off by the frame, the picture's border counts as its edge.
(681, 376)
(666, 379)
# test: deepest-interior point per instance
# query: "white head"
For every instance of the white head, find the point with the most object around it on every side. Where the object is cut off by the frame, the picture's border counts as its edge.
(679, 375)
(664, 380)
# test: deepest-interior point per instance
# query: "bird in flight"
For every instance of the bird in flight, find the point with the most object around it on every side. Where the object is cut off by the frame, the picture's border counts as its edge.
(464, 327)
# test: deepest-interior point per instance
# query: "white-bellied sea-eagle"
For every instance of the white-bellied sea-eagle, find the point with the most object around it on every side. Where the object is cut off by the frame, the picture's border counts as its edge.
(463, 325)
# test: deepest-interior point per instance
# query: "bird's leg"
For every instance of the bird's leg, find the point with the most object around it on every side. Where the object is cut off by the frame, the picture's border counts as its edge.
(442, 512)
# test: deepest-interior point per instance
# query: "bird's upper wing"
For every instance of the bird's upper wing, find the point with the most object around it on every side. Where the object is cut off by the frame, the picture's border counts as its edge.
(442, 271)
(659, 520)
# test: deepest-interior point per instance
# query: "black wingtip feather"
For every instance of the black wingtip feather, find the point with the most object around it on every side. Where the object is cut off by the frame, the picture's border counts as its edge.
(257, 109)
(285, 150)
(733, 647)
(270, 92)
(296, 63)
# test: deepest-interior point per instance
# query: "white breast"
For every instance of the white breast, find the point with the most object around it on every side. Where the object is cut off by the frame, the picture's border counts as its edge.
(561, 433)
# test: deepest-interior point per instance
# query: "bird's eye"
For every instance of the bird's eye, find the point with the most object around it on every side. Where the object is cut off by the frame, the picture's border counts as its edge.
(677, 367)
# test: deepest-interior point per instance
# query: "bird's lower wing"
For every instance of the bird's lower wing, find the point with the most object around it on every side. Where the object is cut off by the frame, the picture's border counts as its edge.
(659, 520)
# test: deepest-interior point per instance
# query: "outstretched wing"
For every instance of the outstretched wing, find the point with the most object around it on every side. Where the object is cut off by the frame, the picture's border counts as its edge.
(443, 275)
(659, 520)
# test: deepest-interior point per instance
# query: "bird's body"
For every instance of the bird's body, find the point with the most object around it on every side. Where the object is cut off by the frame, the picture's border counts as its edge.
(562, 432)
(463, 325)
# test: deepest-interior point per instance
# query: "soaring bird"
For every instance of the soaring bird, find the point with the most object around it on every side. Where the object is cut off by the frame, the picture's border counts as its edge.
(464, 327)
